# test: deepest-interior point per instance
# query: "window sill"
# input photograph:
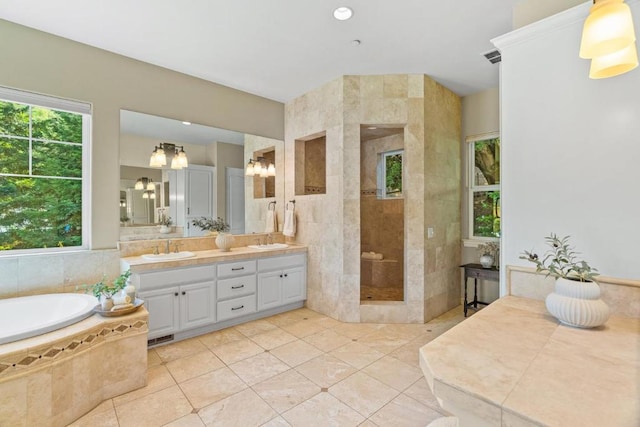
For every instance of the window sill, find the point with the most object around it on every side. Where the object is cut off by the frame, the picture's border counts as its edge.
(475, 242)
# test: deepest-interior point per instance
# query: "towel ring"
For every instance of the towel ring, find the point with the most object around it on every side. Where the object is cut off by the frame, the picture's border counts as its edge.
(294, 205)
(274, 206)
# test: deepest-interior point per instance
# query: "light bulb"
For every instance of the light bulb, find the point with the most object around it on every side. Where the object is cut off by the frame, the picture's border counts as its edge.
(249, 170)
(257, 168)
(271, 171)
(151, 185)
(145, 195)
(139, 185)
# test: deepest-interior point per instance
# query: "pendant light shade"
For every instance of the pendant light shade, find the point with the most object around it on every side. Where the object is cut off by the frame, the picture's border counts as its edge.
(614, 64)
(249, 170)
(608, 29)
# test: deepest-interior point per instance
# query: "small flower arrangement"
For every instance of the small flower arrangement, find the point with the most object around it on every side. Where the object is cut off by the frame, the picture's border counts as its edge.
(210, 224)
(490, 248)
(561, 261)
(108, 290)
(165, 220)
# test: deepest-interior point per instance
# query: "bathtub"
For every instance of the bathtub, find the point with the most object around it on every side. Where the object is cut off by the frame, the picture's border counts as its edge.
(25, 317)
(53, 378)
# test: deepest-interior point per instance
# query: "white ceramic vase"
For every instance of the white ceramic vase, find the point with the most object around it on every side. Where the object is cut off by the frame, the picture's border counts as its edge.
(577, 304)
(486, 261)
(224, 241)
(165, 229)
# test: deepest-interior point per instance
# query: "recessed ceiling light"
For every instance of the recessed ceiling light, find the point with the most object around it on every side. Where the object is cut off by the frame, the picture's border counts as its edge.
(343, 13)
(186, 123)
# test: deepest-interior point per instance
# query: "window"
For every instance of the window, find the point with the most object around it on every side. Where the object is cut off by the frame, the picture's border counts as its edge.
(389, 174)
(484, 186)
(43, 171)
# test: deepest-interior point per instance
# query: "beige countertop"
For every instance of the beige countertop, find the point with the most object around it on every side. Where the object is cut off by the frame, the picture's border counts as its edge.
(513, 364)
(137, 264)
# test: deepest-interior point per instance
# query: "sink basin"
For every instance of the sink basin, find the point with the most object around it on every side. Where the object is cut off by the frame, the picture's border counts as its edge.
(269, 246)
(169, 256)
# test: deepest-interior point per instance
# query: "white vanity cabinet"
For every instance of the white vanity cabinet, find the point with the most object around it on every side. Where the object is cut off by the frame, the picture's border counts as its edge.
(177, 299)
(236, 289)
(184, 302)
(281, 280)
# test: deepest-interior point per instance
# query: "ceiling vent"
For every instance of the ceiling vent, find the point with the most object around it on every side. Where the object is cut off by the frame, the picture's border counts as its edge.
(493, 56)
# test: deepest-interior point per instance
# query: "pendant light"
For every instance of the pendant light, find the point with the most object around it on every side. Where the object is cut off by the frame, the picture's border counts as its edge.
(608, 38)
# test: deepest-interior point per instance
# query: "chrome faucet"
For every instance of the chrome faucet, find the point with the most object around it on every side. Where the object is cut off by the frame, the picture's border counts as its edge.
(168, 246)
(156, 250)
(269, 239)
(176, 247)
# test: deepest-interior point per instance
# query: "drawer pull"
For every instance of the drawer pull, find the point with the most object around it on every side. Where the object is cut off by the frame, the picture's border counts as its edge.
(237, 308)
(184, 293)
(237, 268)
(237, 287)
(176, 294)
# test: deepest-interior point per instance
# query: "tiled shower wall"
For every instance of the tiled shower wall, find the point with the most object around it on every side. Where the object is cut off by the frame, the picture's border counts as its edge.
(330, 224)
(381, 221)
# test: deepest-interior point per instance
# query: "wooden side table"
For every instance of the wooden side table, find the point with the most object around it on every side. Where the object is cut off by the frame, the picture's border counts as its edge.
(477, 272)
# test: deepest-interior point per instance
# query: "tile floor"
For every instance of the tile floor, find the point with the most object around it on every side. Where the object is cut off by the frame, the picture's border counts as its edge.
(294, 369)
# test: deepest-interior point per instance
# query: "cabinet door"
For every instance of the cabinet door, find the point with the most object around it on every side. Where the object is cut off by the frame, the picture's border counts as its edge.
(163, 307)
(269, 290)
(197, 306)
(294, 285)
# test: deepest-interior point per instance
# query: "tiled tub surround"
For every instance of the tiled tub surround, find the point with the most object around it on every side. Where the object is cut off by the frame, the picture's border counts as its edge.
(55, 272)
(513, 364)
(430, 117)
(54, 378)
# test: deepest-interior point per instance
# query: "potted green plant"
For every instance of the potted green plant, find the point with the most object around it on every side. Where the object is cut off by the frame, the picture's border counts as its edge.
(576, 299)
(104, 291)
(224, 240)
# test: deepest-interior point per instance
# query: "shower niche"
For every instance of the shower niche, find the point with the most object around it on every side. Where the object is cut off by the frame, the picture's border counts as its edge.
(311, 165)
(382, 213)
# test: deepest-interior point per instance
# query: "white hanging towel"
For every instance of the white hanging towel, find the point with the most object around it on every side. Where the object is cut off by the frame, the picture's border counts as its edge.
(289, 223)
(272, 222)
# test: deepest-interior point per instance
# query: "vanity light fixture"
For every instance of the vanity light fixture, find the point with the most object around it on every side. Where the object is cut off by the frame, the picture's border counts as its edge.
(144, 183)
(343, 13)
(175, 152)
(261, 167)
(148, 194)
(608, 39)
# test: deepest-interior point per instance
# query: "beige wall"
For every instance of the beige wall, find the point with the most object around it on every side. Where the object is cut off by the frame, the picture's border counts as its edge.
(529, 11)
(480, 115)
(43, 63)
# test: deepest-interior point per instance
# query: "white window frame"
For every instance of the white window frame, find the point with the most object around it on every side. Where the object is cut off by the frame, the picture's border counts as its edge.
(473, 188)
(381, 174)
(70, 106)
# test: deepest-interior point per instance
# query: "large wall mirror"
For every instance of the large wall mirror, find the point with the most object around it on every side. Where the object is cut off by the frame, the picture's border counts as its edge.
(213, 185)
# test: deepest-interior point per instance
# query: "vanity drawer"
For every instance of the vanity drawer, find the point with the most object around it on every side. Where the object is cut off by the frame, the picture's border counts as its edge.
(280, 262)
(177, 276)
(236, 287)
(239, 268)
(236, 307)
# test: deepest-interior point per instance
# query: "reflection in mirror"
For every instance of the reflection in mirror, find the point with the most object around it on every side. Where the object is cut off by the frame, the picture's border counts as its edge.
(264, 186)
(214, 184)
